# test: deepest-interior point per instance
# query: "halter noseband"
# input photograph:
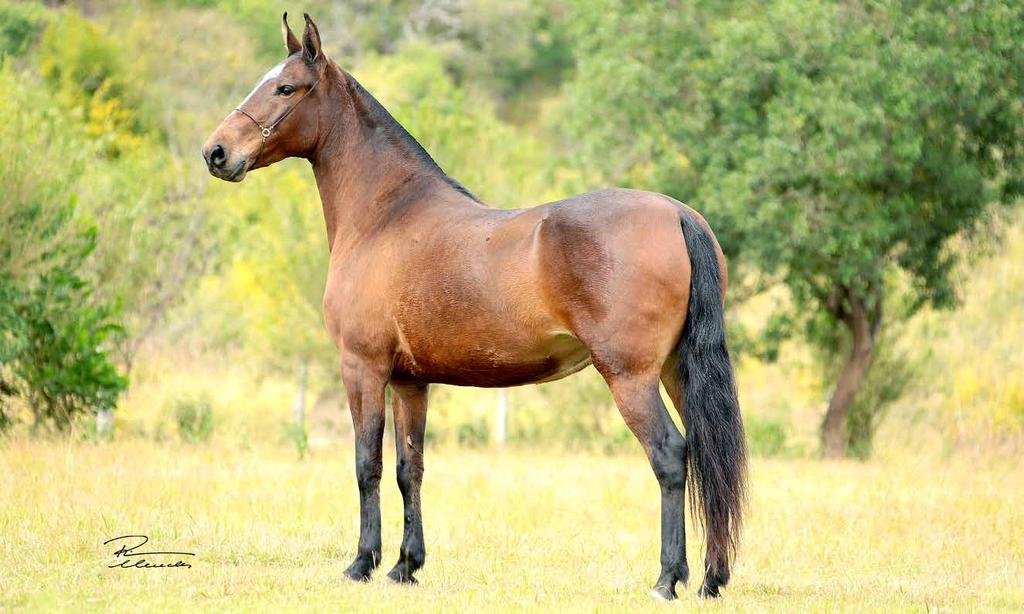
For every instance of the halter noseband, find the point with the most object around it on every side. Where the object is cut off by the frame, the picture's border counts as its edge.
(266, 130)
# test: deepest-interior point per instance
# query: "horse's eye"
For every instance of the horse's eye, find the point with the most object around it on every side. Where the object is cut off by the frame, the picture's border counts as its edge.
(285, 90)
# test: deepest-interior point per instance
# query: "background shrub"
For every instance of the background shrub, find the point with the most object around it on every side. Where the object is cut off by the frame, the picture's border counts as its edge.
(765, 436)
(194, 419)
(20, 25)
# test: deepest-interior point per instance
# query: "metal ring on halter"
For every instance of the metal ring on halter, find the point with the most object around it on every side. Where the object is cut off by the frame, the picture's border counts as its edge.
(266, 130)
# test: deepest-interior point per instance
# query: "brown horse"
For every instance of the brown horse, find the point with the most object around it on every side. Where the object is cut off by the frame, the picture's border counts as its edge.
(427, 284)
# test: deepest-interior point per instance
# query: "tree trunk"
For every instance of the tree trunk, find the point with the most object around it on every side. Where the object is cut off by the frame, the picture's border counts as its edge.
(501, 418)
(833, 429)
(299, 408)
(105, 422)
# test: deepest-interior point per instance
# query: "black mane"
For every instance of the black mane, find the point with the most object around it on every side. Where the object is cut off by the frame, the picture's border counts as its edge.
(376, 115)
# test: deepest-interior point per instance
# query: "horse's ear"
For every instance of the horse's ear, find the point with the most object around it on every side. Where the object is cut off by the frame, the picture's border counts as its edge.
(311, 42)
(290, 41)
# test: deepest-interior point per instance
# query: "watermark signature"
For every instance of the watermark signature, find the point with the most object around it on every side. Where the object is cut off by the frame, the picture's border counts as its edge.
(127, 557)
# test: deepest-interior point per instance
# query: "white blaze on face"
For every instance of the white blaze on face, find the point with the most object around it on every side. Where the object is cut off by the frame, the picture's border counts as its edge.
(272, 73)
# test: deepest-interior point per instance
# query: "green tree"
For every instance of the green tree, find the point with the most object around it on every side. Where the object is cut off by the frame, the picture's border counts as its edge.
(62, 367)
(460, 128)
(54, 332)
(86, 68)
(20, 24)
(270, 295)
(830, 144)
(162, 227)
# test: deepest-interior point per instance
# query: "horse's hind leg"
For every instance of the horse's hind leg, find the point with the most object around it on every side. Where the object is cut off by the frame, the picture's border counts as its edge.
(673, 383)
(640, 403)
(716, 575)
(410, 409)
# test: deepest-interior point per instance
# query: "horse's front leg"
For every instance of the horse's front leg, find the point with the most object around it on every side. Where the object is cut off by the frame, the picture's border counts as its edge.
(410, 409)
(366, 403)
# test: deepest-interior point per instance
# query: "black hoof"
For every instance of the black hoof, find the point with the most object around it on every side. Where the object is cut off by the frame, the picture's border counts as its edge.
(361, 569)
(708, 591)
(664, 593)
(665, 588)
(713, 583)
(400, 575)
(357, 575)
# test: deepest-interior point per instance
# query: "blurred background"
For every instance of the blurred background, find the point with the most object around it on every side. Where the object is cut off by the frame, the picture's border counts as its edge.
(860, 161)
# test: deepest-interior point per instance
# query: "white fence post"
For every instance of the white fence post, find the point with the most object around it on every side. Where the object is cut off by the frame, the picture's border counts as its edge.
(501, 418)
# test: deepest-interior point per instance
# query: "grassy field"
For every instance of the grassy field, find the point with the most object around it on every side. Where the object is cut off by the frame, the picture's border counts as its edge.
(511, 531)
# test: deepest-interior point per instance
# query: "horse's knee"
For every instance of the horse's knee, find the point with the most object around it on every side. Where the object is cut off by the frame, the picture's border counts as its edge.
(368, 469)
(668, 458)
(403, 474)
(408, 475)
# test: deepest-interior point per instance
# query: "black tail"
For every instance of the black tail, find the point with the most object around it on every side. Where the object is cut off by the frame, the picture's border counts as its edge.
(716, 447)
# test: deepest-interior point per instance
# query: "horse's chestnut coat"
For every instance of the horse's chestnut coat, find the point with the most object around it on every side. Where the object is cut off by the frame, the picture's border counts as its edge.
(427, 284)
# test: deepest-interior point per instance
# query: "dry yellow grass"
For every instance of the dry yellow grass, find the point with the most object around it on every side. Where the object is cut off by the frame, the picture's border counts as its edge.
(505, 531)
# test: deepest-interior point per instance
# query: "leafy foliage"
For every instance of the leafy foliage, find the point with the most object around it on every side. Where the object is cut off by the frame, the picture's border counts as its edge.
(20, 24)
(54, 336)
(270, 294)
(460, 129)
(827, 143)
(837, 149)
(86, 69)
(160, 232)
(765, 437)
(893, 372)
(62, 368)
(297, 435)
(194, 419)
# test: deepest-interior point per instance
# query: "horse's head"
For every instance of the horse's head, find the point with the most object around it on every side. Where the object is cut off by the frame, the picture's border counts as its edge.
(279, 119)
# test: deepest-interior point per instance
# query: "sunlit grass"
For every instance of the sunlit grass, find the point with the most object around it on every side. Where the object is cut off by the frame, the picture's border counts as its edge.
(513, 530)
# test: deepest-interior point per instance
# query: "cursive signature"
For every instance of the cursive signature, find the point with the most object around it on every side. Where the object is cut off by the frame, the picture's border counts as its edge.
(127, 557)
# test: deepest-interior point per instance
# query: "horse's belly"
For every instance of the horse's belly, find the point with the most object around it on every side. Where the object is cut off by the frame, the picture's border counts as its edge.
(496, 366)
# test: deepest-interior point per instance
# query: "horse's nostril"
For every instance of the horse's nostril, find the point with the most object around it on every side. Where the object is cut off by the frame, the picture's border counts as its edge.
(217, 156)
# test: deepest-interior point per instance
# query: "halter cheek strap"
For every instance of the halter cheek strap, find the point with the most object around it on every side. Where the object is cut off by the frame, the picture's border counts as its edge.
(265, 131)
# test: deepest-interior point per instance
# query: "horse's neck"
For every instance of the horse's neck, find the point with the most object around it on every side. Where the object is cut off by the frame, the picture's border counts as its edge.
(366, 163)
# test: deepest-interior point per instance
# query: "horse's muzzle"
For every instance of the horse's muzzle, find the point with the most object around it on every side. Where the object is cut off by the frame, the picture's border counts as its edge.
(217, 158)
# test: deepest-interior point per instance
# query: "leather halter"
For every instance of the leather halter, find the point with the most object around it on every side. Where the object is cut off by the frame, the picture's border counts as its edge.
(265, 131)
